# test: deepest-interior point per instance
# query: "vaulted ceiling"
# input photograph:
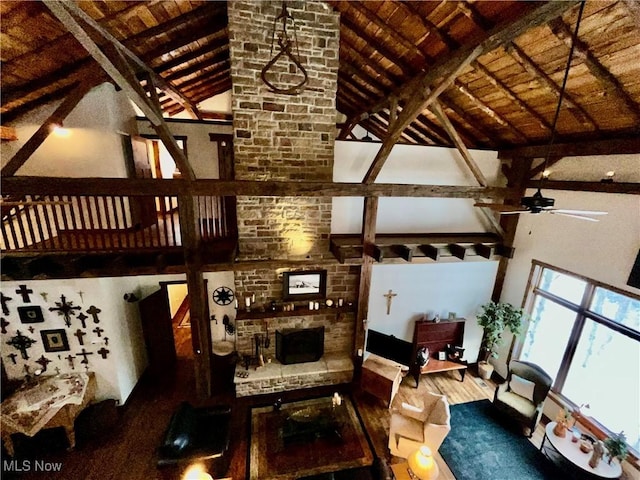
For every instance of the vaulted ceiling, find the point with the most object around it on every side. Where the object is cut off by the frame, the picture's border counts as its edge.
(504, 98)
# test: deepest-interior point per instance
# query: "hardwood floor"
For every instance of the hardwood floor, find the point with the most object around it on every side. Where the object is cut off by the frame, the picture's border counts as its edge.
(127, 450)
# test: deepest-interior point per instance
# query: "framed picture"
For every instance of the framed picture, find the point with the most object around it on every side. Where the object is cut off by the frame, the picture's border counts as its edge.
(30, 314)
(55, 340)
(304, 285)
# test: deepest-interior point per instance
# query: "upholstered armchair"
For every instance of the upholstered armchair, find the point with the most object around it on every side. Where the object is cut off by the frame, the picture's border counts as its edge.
(522, 396)
(410, 426)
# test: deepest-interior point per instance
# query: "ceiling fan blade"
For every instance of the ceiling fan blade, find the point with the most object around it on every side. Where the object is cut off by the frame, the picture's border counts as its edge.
(501, 207)
(514, 212)
(578, 212)
(573, 215)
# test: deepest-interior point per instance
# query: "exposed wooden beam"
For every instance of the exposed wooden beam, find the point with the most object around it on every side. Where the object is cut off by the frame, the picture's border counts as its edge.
(581, 50)
(430, 251)
(634, 11)
(40, 135)
(489, 112)
(421, 90)
(374, 251)
(615, 146)
(159, 81)
(601, 187)
(483, 250)
(457, 250)
(538, 170)
(506, 91)
(369, 220)
(403, 252)
(150, 186)
(132, 88)
(545, 80)
(8, 133)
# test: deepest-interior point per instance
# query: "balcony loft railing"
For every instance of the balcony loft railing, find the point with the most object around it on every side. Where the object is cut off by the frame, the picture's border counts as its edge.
(99, 224)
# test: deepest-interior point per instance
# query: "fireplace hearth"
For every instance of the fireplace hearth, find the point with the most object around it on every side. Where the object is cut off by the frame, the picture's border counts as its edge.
(299, 345)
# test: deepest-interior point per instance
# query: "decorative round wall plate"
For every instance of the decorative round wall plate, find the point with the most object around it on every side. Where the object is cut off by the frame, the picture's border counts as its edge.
(223, 295)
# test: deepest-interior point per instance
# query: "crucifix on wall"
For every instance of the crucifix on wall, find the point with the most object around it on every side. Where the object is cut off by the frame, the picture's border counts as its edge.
(389, 296)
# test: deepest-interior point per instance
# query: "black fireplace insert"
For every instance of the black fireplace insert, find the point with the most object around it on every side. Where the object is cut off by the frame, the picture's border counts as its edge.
(299, 345)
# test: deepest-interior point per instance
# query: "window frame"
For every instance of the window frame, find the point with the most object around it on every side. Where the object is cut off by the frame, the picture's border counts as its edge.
(582, 313)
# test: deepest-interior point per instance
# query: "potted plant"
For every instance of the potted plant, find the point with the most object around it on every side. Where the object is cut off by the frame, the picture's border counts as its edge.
(494, 319)
(617, 446)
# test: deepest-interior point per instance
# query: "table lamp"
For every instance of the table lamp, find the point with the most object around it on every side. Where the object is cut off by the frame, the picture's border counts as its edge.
(421, 464)
(196, 472)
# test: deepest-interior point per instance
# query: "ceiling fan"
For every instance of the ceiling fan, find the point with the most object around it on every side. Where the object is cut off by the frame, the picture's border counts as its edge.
(538, 203)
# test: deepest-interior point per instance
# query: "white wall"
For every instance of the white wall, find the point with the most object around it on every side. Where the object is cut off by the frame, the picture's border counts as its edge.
(429, 289)
(411, 164)
(117, 374)
(201, 151)
(93, 147)
(604, 251)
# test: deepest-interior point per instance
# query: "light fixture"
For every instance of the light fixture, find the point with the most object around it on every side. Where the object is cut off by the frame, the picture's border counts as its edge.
(196, 472)
(546, 174)
(59, 131)
(609, 177)
(367, 137)
(288, 50)
(421, 465)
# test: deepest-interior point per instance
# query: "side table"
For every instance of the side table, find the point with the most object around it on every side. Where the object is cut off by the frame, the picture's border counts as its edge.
(571, 452)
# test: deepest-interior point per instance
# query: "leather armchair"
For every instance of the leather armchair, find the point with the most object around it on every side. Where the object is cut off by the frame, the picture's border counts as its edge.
(513, 400)
(410, 426)
(196, 435)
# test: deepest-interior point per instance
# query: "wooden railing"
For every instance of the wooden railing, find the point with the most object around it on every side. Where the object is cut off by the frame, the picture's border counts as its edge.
(66, 223)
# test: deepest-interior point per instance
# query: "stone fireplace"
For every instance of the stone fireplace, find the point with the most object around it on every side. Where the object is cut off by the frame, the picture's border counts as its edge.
(290, 138)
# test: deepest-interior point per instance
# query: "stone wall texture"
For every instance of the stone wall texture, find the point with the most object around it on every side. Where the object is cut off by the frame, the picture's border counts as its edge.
(283, 137)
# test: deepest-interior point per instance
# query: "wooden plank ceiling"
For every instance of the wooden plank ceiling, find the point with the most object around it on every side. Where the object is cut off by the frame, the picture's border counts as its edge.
(505, 98)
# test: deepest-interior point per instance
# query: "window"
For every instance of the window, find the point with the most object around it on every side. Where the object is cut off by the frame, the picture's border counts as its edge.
(586, 335)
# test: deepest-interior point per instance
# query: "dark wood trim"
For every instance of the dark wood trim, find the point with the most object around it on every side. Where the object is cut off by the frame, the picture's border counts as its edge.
(614, 146)
(187, 120)
(369, 221)
(600, 187)
(19, 185)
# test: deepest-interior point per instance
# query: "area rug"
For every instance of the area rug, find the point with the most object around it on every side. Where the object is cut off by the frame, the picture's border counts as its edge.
(272, 457)
(480, 446)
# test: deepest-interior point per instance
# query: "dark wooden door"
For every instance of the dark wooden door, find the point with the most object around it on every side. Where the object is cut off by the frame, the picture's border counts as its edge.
(157, 331)
(143, 209)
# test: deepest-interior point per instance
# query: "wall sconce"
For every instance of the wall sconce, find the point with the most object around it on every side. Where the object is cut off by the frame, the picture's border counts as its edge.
(609, 177)
(546, 174)
(59, 131)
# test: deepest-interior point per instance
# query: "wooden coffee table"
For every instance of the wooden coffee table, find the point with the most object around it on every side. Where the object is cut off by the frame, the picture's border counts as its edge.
(571, 452)
(435, 366)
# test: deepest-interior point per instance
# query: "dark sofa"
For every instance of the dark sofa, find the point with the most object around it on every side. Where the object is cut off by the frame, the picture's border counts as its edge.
(196, 435)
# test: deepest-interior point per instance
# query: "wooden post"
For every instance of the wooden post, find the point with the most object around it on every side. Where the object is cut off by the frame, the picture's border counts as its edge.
(368, 236)
(200, 337)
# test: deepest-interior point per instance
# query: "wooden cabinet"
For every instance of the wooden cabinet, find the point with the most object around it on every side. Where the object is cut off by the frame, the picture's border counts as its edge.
(381, 377)
(437, 337)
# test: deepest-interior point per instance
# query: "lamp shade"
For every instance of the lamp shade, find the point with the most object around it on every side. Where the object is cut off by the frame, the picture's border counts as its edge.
(421, 464)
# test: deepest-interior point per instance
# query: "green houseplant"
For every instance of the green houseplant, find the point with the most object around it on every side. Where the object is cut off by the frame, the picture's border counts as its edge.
(495, 318)
(617, 446)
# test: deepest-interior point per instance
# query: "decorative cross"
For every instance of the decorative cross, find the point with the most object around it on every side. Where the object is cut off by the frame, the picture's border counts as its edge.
(13, 356)
(93, 311)
(65, 308)
(4, 324)
(82, 317)
(103, 352)
(84, 354)
(79, 334)
(98, 331)
(43, 361)
(44, 295)
(4, 299)
(389, 296)
(24, 291)
(31, 329)
(106, 341)
(69, 358)
(21, 342)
